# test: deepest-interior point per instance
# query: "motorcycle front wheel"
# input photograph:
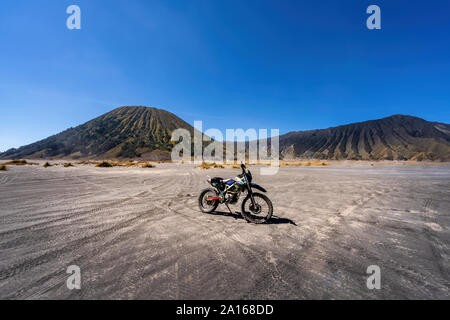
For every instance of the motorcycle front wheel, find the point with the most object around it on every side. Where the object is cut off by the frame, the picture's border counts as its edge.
(261, 212)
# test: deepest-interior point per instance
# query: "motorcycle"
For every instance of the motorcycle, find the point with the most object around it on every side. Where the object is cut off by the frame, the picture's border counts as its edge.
(256, 207)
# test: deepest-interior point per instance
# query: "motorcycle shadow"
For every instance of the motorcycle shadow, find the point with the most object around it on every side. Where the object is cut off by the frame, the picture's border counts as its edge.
(237, 215)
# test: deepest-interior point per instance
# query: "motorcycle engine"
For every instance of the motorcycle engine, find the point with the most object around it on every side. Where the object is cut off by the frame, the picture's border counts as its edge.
(232, 198)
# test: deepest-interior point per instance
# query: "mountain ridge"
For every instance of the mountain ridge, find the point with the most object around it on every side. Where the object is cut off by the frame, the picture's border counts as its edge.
(145, 132)
(397, 137)
(125, 132)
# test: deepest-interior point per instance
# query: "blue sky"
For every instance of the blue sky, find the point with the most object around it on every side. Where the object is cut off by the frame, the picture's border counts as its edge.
(292, 65)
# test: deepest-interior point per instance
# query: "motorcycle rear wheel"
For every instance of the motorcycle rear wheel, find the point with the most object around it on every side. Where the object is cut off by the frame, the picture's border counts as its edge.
(208, 206)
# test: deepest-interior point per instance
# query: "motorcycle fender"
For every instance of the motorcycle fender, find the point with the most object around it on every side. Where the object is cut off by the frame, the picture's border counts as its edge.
(257, 186)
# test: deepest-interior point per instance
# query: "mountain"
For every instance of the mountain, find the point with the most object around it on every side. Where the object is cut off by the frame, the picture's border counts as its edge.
(398, 137)
(126, 132)
(142, 132)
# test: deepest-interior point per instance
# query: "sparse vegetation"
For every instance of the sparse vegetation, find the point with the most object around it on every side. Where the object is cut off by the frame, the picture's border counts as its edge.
(18, 163)
(207, 166)
(304, 163)
(47, 164)
(67, 165)
(3, 168)
(127, 164)
(204, 165)
(87, 162)
(104, 164)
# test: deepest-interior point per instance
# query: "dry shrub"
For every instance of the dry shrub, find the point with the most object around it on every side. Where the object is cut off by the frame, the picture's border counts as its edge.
(147, 165)
(207, 166)
(87, 162)
(259, 164)
(291, 164)
(321, 163)
(104, 164)
(68, 164)
(3, 168)
(47, 164)
(110, 164)
(304, 163)
(125, 164)
(19, 163)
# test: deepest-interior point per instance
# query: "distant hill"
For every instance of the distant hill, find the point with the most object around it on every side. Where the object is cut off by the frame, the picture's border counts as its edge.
(398, 137)
(126, 132)
(142, 132)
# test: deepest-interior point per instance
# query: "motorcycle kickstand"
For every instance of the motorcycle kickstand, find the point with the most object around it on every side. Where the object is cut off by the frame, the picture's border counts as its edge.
(229, 208)
(232, 212)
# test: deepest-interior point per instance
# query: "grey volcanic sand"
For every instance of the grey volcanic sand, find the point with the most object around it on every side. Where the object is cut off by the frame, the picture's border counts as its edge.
(138, 234)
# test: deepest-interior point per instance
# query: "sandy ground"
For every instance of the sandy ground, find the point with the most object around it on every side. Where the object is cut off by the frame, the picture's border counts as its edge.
(138, 234)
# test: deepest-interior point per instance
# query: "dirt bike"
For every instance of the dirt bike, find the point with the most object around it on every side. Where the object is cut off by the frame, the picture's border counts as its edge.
(256, 207)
